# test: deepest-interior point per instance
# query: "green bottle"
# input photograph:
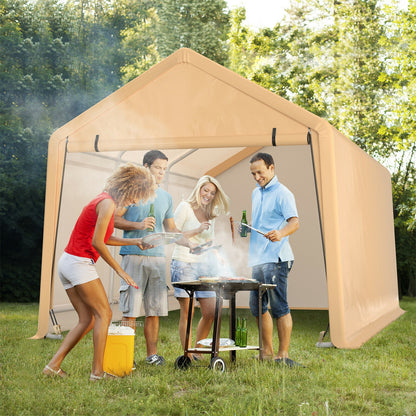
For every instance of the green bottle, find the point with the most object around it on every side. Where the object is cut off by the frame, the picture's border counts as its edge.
(151, 214)
(238, 332)
(243, 232)
(243, 340)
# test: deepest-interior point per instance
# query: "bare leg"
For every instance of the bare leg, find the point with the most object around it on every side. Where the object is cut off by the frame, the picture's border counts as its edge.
(284, 331)
(183, 321)
(91, 304)
(151, 333)
(94, 295)
(84, 325)
(207, 318)
(267, 338)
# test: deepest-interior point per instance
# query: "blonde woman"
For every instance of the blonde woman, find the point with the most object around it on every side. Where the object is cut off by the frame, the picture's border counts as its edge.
(89, 239)
(195, 219)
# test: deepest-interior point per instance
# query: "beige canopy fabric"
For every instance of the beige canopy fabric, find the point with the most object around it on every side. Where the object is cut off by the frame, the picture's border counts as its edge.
(208, 119)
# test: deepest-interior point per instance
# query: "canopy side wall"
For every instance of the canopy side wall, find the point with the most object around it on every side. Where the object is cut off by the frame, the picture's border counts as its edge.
(364, 295)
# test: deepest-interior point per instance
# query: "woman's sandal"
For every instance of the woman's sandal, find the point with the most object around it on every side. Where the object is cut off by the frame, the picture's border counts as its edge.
(95, 378)
(50, 372)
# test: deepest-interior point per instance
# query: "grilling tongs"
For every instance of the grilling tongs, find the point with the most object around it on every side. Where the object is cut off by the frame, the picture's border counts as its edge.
(202, 248)
(252, 228)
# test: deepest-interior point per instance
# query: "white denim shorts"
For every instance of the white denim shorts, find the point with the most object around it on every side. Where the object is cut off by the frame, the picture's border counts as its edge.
(74, 270)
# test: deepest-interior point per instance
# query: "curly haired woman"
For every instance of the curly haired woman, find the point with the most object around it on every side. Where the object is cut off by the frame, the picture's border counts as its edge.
(89, 239)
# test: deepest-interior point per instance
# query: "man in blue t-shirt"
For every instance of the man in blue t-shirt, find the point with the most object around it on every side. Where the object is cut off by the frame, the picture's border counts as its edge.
(274, 213)
(147, 268)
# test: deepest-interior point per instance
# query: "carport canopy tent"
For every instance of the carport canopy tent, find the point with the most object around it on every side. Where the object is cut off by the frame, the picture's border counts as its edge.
(209, 120)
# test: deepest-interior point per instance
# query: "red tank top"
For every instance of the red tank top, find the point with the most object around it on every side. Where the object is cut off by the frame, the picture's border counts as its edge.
(81, 237)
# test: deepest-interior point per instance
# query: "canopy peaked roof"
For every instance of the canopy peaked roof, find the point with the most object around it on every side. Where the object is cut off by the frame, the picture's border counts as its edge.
(183, 98)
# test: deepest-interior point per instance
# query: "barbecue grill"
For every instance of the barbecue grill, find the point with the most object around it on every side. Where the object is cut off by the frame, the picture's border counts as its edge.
(225, 289)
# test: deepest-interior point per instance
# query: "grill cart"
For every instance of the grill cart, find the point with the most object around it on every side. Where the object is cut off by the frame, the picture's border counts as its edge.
(225, 289)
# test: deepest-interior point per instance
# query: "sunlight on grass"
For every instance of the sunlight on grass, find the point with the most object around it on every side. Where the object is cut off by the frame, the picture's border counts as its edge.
(377, 379)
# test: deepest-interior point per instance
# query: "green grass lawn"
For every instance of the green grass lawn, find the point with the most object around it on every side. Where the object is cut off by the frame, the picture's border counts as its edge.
(377, 379)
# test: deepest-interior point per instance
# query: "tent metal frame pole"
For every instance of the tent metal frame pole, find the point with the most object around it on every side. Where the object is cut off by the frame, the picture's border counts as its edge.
(55, 323)
(174, 162)
(309, 141)
(120, 160)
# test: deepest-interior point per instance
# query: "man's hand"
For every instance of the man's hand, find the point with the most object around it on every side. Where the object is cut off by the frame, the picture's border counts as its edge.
(143, 246)
(274, 235)
(148, 222)
(277, 235)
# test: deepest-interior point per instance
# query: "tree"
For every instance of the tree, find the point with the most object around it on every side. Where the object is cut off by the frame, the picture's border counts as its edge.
(138, 39)
(404, 198)
(56, 60)
(402, 108)
(361, 85)
(201, 25)
(241, 55)
(294, 59)
(22, 157)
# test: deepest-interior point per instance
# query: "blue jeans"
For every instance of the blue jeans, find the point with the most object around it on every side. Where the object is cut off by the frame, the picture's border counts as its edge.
(186, 272)
(276, 274)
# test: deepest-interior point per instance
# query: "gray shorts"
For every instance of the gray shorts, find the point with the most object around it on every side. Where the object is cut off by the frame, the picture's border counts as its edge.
(149, 273)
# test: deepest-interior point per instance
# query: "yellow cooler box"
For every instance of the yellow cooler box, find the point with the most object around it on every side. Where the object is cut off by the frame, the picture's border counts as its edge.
(119, 350)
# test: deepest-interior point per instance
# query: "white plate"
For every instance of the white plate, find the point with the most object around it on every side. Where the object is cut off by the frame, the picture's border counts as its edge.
(224, 342)
(160, 239)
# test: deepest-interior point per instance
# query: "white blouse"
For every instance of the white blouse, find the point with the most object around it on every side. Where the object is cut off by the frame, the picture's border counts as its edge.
(186, 220)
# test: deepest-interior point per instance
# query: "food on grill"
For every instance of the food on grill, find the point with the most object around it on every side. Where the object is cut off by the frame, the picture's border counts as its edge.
(224, 278)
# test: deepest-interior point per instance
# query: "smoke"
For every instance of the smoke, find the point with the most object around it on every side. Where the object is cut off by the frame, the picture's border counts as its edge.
(231, 260)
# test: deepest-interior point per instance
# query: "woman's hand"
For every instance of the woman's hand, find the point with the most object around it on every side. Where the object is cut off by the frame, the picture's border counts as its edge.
(192, 246)
(199, 249)
(191, 233)
(204, 226)
(126, 277)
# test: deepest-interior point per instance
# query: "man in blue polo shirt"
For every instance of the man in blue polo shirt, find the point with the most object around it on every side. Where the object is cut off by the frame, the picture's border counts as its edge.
(147, 268)
(273, 212)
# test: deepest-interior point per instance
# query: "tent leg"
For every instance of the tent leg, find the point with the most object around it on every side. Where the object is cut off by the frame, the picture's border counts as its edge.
(56, 327)
(321, 343)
